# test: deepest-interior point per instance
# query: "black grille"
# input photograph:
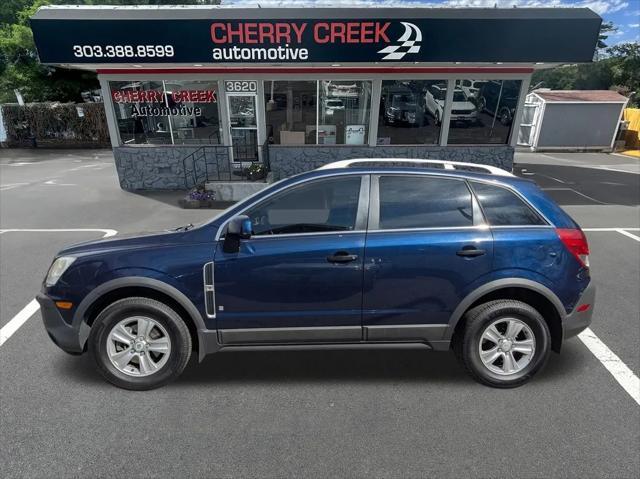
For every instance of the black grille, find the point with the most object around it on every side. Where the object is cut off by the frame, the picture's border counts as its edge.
(208, 274)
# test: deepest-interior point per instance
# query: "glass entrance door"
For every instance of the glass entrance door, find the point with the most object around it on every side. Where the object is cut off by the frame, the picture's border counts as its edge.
(244, 127)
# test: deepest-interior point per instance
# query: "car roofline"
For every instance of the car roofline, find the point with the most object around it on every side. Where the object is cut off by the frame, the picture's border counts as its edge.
(448, 165)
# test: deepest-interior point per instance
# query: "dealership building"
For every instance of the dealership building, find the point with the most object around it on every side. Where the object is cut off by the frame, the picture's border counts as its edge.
(207, 94)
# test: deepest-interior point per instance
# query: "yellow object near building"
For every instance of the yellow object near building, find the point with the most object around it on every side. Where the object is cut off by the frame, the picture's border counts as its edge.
(632, 136)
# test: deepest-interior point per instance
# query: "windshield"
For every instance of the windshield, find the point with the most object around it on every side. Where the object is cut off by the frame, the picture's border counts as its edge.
(458, 95)
(403, 99)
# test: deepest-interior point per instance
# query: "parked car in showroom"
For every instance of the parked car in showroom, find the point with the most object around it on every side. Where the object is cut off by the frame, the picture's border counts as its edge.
(462, 109)
(471, 88)
(359, 253)
(499, 98)
(402, 106)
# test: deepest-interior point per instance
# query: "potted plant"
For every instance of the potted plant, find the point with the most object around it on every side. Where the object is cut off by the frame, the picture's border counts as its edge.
(257, 171)
(198, 197)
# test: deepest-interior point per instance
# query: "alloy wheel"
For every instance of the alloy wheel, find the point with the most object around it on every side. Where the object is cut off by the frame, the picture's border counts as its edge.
(507, 346)
(138, 346)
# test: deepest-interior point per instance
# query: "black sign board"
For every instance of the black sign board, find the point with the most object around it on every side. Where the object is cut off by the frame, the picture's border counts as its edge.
(373, 39)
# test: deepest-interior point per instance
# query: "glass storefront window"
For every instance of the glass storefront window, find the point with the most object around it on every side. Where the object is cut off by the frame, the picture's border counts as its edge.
(138, 106)
(343, 112)
(324, 112)
(290, 111)
(483, 111)
(406, 117)
(166, 112)
(199, 118)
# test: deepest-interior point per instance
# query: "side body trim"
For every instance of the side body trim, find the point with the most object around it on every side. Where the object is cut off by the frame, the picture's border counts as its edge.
(405, 332)
(290, 335)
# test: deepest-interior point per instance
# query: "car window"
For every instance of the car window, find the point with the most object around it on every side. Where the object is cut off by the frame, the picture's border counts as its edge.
(319, 206)
(503, 208)
(424, 202)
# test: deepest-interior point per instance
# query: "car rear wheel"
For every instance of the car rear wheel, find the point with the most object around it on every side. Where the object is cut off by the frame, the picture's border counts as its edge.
(503, 343)
(505, 117)
(140, 343)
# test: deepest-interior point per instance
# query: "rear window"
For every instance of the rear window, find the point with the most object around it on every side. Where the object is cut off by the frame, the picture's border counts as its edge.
(504, 208)
(423, 202)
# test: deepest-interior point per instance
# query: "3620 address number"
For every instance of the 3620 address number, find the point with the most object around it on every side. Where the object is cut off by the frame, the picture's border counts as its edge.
(123, 51)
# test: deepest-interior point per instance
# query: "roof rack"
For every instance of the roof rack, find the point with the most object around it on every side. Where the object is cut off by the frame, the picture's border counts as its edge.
(441, 164)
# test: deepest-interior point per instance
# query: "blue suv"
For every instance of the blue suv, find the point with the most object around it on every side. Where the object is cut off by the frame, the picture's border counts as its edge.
(363, 253)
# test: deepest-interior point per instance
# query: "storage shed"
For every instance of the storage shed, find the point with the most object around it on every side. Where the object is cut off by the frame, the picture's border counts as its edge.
(571, 119)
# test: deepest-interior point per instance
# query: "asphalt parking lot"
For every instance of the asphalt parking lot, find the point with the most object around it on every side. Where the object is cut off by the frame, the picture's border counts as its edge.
(400, 413)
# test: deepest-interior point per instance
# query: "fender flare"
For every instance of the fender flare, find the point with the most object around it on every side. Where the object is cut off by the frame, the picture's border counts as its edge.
(138, 281)
(477, 293)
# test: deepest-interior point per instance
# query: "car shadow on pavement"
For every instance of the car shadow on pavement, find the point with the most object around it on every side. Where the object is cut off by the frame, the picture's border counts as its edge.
(326, 366)
(318, 366)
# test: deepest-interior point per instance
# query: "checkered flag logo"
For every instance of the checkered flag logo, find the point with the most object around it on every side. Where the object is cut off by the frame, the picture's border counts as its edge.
(397, 52)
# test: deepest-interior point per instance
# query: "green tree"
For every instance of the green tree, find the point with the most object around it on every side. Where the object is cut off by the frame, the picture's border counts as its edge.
(19, 66)
(606, 29)
(624, 61)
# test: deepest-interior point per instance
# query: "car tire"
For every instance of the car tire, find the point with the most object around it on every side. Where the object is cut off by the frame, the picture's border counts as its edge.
(493, 353)
(134, 359)
(505, 117)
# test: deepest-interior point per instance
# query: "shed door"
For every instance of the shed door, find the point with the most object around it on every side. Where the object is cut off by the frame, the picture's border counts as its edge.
(527, 131)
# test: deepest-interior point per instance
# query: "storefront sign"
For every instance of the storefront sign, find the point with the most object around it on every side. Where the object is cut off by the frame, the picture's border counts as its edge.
(157, 96)
(152, 110)
(371, 36)
(169, 103)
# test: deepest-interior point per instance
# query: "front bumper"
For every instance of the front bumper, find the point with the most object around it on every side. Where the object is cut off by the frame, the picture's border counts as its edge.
(463, 118)
(63, 334)
(577, 321)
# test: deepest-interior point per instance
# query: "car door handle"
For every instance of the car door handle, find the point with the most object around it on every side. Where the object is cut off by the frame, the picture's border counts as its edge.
(470, 252)
(341, 257)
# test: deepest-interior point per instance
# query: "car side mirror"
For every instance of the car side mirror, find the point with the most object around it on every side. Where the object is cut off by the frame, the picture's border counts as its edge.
(239, 228)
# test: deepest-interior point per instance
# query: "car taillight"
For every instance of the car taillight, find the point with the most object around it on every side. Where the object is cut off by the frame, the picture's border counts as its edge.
(576, 243)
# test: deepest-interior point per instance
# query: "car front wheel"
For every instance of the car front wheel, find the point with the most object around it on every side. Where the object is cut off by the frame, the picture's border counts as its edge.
(140, 343)
(503, 343)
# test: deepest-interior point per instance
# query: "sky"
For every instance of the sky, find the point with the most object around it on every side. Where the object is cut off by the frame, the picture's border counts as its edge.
(625, 14)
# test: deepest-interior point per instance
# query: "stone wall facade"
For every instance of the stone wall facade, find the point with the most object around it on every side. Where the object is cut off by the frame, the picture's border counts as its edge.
(164, 167)
(290, 160)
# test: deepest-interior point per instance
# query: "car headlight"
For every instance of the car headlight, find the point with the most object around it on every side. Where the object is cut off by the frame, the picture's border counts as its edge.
(57, 269)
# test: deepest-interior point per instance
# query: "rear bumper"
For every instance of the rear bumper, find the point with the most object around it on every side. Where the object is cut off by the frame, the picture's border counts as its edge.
(64, 335)
(577, 321)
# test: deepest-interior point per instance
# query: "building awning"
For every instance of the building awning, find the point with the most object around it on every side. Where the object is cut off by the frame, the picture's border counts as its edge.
(114, 37)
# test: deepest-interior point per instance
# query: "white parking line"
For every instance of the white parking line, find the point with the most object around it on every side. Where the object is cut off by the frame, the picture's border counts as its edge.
(29, 310)
(619, 370)
(622, 231)
(18, 320)
(611, 229)
(577, 192)
(627, 234)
